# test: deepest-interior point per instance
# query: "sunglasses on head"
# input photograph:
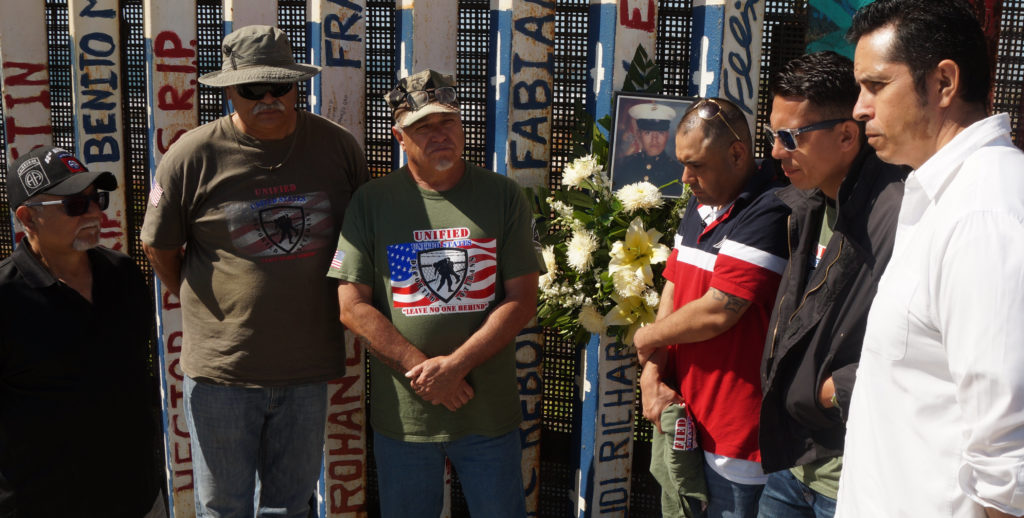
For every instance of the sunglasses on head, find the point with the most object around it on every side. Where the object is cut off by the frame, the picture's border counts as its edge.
(77, 204)
(709, 109)
(421, 98)
(787, 136)
(256, 91)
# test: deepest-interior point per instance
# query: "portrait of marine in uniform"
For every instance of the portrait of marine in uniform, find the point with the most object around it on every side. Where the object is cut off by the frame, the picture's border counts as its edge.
(643, 141)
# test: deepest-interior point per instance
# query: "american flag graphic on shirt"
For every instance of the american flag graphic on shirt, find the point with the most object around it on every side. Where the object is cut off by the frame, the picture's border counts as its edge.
(443, 276)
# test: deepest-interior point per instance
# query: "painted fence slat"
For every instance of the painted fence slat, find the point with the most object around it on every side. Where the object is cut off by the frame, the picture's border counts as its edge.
(607, 398)
(97, 87)
(526, 127)
(726, 47)
(171, 42)
(337, 32)
(26, 82)
(242, 13)
(498, 66)
(531, 92)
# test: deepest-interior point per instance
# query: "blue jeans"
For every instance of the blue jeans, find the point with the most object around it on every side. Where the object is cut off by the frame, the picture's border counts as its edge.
(784, 495)
(255, 450)
(410, 475)
(727, 499)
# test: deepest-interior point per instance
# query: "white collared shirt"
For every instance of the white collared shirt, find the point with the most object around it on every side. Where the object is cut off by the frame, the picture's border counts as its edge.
(937, 417)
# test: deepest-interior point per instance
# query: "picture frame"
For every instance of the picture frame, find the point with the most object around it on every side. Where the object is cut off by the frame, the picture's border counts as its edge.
(642, 140)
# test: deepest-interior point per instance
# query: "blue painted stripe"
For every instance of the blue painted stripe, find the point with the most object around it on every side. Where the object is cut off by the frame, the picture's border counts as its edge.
(314, 30)
(497, 112)
(601, 31)
(708, 20)
(588, 413)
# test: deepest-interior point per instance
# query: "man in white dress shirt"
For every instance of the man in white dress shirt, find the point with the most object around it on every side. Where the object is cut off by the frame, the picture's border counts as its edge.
(936, 423)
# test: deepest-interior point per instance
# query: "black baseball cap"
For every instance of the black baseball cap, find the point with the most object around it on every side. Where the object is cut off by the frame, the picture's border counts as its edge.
(52, 170)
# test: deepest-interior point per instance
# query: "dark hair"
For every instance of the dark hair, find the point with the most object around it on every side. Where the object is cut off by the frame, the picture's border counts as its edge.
(929, 31)
(823, 78)
(713, 129)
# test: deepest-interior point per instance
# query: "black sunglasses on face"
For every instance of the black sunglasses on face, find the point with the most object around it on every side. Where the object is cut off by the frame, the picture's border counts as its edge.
(787, 136)
(421, 98)
(708, 109)
(256, 91)
(77, 204)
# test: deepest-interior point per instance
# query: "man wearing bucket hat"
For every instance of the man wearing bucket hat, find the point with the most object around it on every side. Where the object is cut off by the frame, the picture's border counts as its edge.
(256, 198)
(652, 163)
(75, 386)
(437, 269)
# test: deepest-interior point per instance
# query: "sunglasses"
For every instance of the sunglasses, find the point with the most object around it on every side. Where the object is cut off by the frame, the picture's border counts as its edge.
(77, 204)
(787, 136)
(709, 109)
(256, 91)
(421, 98)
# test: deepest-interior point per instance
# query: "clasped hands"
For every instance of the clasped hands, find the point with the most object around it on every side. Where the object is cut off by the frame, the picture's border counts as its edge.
(438, 381)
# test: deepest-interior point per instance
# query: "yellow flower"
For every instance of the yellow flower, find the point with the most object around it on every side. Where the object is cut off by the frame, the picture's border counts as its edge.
(630, 311)
(638, 251)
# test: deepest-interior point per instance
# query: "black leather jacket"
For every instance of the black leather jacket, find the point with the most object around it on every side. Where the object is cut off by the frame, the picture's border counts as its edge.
(817, 326)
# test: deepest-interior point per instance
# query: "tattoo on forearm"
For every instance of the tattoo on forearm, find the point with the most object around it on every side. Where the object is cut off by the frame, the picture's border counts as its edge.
(731, 302)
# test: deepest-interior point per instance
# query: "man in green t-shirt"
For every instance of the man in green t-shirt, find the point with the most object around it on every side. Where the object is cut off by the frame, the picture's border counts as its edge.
(437, 270)
(844, 203)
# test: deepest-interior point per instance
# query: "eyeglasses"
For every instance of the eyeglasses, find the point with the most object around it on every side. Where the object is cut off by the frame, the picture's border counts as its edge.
(421, 98)
(708, 109)
(787, 136)
(256, 91)
(77, 204)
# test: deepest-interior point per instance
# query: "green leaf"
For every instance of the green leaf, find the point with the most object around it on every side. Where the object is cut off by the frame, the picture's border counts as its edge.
(644, 74)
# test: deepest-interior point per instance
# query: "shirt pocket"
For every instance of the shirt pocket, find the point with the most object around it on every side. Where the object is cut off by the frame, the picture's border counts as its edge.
(888, 330)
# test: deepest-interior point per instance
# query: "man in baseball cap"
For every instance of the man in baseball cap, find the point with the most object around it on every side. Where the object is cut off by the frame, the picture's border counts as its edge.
(73, 350)
(258, 198)
(442, 329)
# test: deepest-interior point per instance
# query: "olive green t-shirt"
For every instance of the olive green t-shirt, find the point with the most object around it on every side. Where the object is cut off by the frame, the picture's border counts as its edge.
(436, 263)
(256, 308)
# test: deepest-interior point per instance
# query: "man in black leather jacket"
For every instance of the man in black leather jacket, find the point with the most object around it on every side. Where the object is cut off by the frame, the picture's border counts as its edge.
(845, 203)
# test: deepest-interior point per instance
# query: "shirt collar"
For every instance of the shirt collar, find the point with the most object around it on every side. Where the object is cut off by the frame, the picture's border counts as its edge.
(936, 173)
(31, 268)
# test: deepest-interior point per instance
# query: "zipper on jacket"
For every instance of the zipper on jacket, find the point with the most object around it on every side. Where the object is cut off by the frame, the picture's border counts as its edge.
(789, 246)
(823, 279)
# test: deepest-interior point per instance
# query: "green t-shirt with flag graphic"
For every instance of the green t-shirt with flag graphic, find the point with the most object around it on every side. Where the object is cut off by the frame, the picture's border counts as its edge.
(436, 263)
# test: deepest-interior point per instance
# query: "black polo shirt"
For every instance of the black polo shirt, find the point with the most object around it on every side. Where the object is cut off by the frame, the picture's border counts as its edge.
(77, 434)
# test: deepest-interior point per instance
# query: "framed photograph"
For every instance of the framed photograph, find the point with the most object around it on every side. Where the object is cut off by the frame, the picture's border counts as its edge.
(643, 144)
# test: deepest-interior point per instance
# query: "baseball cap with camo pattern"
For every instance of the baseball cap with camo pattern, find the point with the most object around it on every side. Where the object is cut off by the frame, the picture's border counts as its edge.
(425, 81)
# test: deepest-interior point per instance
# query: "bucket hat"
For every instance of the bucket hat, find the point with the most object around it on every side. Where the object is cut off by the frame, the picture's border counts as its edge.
(424, 81)
(258, 54)
(52, 170)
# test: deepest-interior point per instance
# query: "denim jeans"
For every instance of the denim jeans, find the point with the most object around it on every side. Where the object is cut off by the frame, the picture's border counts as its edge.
(410, 475)
(255, 450)
(786, 496)
(727, 499)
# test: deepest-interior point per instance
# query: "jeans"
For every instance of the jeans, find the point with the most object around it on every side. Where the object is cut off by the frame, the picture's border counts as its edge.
(727, 499)
(785, 496)
(410, 475)
(255, 450)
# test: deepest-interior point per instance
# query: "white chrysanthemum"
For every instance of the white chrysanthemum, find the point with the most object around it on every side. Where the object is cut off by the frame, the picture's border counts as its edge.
(583, 168)
(639, 196)
(591, 319)
(545, 281)
(629, 282)
(651, 298)
(580, 250)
